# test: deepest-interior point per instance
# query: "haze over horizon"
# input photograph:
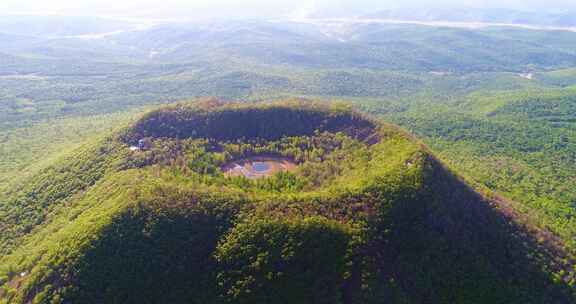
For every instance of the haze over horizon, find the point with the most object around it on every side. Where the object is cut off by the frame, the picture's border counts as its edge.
(203, 9)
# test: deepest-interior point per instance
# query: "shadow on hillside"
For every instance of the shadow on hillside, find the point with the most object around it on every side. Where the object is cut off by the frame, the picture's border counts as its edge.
(454, 246)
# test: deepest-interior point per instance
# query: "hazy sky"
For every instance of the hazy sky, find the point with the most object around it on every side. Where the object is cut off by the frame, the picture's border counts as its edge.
(251, 8)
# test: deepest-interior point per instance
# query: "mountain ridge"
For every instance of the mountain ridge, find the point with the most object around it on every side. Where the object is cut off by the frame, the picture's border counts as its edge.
(488, 15)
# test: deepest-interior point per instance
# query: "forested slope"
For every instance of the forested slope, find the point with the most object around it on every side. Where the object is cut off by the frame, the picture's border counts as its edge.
(369, 216)
(496, 104)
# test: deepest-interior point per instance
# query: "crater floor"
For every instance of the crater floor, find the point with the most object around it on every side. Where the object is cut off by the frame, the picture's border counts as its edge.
(258, 167)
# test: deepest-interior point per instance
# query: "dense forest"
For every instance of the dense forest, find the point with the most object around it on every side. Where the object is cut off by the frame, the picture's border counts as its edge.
(496, 105)
(367, 207)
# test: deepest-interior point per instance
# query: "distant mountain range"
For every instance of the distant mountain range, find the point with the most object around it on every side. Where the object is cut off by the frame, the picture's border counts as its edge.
(502, 16)
(60, 49)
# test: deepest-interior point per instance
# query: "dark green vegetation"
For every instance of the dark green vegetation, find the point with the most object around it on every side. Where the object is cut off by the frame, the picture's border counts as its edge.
(459, 90)
(369, 216)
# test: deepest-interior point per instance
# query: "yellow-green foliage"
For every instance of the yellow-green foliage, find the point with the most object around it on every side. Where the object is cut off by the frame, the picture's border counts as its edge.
(383, 222)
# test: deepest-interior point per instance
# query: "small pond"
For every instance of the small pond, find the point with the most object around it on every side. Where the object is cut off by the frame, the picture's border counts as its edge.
(258, 167)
